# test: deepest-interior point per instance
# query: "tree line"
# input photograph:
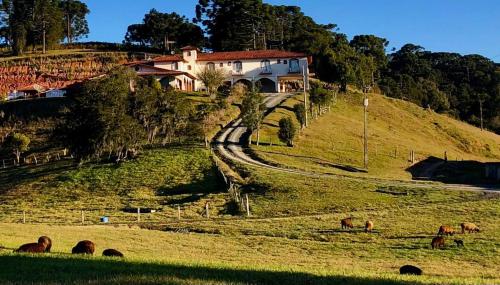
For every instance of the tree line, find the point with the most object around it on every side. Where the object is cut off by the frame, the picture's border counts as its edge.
(42, 23)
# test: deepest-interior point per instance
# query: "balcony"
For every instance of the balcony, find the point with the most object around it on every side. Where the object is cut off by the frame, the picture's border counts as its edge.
(237, 72)
(266, 70)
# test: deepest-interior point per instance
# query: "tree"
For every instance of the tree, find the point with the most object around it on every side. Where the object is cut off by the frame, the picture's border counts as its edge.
(18, 144)
(148, 101)
(48, 27)
(287, 131)
(19, 20)
(212, 79)
(75, 21)
(158, 29)
(252, 110)
(372, 47)
(101, 122)
(300, 113)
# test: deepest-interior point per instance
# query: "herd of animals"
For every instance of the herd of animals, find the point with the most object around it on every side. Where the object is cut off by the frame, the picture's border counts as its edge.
(437, 242)
(44, 245)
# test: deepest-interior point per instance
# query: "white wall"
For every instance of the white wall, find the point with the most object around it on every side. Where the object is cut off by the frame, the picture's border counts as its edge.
(251, 68)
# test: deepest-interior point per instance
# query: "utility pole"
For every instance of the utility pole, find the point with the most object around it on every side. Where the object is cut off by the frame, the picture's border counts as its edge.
(306, 83)
(365, 150)
(481, 113)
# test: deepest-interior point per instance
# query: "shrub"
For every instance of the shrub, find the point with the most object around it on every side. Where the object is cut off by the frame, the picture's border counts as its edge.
(287, 131)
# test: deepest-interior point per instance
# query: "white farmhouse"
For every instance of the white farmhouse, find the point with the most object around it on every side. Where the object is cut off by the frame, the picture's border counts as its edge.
(272, 70)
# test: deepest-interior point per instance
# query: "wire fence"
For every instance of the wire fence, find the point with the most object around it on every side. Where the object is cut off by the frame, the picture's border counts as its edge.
(35, 159)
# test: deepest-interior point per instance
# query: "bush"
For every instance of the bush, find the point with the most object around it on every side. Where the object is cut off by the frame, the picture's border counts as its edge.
(287, 131)
(300, 113)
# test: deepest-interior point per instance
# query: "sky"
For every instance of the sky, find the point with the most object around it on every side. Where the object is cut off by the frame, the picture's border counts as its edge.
(463, 26)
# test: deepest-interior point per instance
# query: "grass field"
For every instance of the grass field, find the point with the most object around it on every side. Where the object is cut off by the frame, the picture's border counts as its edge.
(334, 141)
(293, 235)
(160, 179)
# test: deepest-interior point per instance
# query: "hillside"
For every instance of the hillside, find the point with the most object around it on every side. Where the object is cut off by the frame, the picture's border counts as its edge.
(334, 141)
(292, 236)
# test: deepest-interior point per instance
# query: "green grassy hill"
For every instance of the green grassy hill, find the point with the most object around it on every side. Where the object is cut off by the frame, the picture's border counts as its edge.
(334, 141)
(293, 235)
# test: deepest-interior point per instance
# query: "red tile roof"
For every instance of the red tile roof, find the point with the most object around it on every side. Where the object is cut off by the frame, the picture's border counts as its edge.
(189, 48)
(254, 54)
(169, 58)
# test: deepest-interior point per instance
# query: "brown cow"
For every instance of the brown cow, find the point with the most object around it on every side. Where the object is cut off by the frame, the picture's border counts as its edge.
(32, 248)
(84, 247)
(437, 242)
(368, 226)
(346, 223)
(47, 241)
(446, 230)
(470, 227)
(112, 253)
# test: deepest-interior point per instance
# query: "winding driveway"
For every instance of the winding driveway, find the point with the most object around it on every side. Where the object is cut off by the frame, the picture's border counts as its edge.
(232, 141)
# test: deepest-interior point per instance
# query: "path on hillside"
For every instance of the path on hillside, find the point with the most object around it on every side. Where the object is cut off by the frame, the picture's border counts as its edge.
(232, 141)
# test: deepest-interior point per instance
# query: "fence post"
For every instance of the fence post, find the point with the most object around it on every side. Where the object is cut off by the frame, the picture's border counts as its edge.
(36, 160)
(3, 162)
(83, 218)
(247, 205)
(24, 217)
(138, 215)
(207, 211)
(178, 212)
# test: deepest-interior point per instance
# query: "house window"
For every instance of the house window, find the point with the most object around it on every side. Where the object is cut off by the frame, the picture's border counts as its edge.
(175, 66)
(279, 61)
(221, 64)
(238, 66)
(285, 61)
(265, 66)
(294, 66)
(211, 66)
(189, 53)
(189, 67)
(229, 63)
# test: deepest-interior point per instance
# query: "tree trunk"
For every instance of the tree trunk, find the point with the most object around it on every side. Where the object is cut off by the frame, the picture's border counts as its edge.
(18, 156)
(68, 27)
(258, 136)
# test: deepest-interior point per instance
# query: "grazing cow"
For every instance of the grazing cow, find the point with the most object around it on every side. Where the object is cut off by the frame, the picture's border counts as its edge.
(446, 230)
(470, 227)
(368, 226)
(84, 247)
(459, 242)
(437, 242)
(410, 270)
(112, 253)
(346, 223)
(32, 248)
(47, 241)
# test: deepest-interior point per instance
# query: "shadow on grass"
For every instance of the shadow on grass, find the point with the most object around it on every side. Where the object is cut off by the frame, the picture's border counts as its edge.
(455, 171)
(322, 162)
(18, 269)
(11, 177)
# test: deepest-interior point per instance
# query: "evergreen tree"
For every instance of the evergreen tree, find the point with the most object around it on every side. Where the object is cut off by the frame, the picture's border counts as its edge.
(157, 28)
(75, 21)
(287, 131)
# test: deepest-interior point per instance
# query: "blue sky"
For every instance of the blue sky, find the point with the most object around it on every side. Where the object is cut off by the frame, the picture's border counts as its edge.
(464, 26)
